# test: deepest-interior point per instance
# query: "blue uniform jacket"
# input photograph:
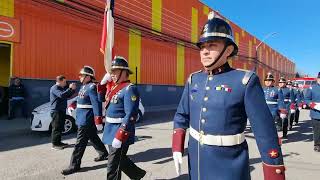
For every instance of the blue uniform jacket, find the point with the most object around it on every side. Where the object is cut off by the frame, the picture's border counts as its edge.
(88, 96)
(297, 96)
(313, 95)
(220, 104)
(124, 104)
(288, 97)
(274, 99)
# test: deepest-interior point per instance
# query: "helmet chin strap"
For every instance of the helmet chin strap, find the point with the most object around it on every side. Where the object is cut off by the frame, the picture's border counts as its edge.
(218, 58)
(119, 76)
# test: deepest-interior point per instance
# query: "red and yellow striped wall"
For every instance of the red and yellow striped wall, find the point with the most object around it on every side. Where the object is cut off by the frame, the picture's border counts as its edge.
(59, 40)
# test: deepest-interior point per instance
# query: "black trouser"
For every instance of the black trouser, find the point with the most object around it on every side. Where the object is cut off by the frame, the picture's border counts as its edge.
(316, 131)
(296, 116)
(278, 122)
(58, 118)
(118, 161)
(284, 127)
(86, 133)
(14, 104)
(291, 119)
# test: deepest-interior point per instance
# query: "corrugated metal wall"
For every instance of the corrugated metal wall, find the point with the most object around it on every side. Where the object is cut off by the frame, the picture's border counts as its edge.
(57, 40)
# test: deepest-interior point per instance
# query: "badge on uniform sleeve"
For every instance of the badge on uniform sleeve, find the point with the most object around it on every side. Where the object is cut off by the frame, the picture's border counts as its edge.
(273, 153)
(133, 98)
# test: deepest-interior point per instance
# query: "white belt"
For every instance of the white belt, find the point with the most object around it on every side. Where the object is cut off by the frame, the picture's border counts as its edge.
(114, 120)
(271, 102)
(287, 100)
(217, 140)
(84, 106)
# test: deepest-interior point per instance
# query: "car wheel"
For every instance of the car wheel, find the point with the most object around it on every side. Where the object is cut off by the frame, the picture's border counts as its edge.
(69, 125)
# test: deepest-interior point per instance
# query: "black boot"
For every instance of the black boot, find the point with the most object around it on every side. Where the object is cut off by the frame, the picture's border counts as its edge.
(101, 158)
(141, 175)
(316, 148)
(70, 170)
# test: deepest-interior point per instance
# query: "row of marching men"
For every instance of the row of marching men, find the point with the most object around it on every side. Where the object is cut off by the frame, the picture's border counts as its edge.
(285, 103)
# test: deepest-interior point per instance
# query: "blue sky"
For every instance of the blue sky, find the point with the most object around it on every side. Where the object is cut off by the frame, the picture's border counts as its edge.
(297, 24)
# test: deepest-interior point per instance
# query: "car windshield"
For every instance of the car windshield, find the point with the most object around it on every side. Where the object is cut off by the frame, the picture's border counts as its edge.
(300, 82)
(308, 82)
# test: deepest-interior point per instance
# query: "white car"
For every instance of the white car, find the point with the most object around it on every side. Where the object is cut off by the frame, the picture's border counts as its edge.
(41, 119)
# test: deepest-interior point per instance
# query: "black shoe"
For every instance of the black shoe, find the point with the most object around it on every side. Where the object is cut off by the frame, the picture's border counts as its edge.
(101, 158)
(317, 148)
(58, 147)
(290, 128)
(70, 170)
(64, 144)
(142, 174)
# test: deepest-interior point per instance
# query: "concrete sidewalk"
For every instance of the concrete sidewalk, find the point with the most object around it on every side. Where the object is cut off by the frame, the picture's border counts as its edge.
(28, 155)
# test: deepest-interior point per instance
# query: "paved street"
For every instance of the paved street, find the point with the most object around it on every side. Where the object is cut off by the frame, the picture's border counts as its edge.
(28, 155)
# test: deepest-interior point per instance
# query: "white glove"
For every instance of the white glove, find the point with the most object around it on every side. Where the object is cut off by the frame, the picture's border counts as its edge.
(299, 108)
(283, 116)
(177, 158)
(116, 143)
(292, 111)
(99, 127)
(70, 110)
(317, 107)
(106, 78)
(304, 106)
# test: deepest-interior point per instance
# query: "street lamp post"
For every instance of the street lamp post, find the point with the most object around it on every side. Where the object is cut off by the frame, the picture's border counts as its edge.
(257, 48)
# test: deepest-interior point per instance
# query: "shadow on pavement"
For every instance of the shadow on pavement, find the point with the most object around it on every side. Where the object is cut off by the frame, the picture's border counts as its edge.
(181, 177)
(298, 132)
(16, 133)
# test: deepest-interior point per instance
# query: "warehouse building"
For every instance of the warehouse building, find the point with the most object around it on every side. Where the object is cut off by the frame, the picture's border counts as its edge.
(40, 39)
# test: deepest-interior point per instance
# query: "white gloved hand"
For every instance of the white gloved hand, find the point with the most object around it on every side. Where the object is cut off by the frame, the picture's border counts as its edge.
(283, 116)
(292, 111)
(106, 78)
(116, 143)
(99, 127)
(317, 107)
(177, 158)
(299, 108)
(70, 110)
(304, 106)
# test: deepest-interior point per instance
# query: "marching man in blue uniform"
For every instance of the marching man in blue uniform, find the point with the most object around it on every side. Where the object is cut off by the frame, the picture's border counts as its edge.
(88, 120)
(122, 105)
(274, 99)
(299, 102)
(312, 98)
(214, 106)
(288, 105)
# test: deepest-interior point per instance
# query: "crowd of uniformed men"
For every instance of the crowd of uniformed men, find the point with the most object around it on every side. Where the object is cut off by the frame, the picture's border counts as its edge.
(215, 106)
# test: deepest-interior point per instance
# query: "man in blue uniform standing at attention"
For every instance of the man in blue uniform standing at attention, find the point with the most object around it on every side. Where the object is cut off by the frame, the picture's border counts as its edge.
(288, 105)
(274, 99)
(89, 120)
(122, 105)
(312, 98)
(215, 106)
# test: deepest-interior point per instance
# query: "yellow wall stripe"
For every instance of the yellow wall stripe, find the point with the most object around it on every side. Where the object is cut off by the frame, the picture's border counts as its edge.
(156, 15)
(194, 25)
(243, 34)
(237, 38)
(135, 54)
(7, 8)
(245, 66)
(180, 65)
(250, 49)
(205, 10)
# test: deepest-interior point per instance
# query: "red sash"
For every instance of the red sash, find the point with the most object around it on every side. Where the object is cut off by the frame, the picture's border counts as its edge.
(114, 89)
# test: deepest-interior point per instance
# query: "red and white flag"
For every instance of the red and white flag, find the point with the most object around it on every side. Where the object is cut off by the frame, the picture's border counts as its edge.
(107, 39)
